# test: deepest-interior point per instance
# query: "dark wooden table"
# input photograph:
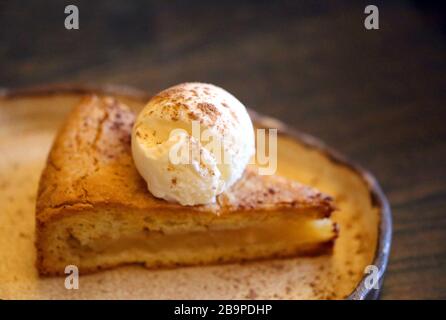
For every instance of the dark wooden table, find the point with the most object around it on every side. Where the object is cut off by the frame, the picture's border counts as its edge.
(377, 96)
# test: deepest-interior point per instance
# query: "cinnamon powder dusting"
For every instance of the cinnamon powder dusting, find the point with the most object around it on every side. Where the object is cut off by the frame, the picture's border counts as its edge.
(209, 110)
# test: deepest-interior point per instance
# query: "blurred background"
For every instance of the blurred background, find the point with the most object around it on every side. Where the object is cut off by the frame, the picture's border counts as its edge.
(377, 96)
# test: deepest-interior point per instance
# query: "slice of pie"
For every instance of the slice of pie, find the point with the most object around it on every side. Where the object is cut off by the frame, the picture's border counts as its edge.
(94, 210)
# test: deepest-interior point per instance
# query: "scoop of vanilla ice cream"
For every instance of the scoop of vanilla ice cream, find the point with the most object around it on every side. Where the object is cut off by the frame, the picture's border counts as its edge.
(191, 142)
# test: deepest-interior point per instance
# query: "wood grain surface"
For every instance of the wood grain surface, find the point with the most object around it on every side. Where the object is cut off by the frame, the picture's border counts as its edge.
(377, 96)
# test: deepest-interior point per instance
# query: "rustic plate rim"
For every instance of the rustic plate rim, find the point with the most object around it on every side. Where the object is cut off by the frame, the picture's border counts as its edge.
(378, 198)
